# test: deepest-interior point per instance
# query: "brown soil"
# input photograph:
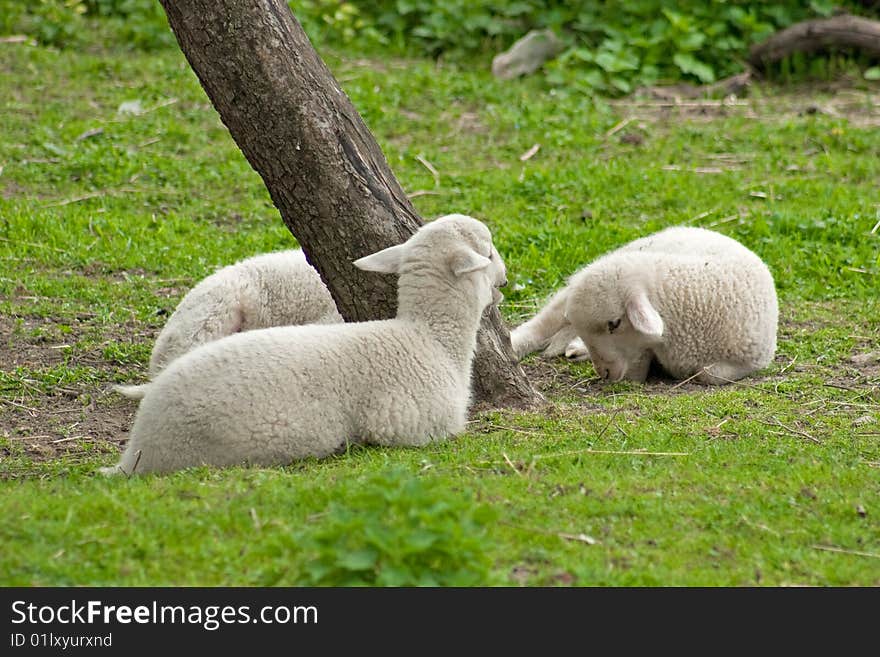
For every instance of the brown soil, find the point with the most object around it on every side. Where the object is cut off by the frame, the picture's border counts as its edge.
(70, 422)
(73, 418)
(76, 419)
(860, 371)
(840, 98)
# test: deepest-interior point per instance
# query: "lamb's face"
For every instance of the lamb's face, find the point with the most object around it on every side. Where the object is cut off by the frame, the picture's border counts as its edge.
(617, 350)
(620, 358)
(461, 237)
(498, 273)
(617, 323)
(457, 248)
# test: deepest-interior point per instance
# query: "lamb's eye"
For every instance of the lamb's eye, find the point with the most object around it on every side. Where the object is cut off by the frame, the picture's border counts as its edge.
(613, 324)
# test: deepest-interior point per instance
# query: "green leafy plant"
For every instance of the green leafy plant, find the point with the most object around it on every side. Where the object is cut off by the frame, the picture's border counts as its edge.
(140, 23)
(611, 47)
(52, 22)
(398, 530)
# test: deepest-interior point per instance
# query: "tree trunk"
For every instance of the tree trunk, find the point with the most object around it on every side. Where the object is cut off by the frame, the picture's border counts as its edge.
(843, 31)
(324, 170)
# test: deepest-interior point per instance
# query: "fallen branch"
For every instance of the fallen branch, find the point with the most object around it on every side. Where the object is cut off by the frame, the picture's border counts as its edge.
(64, 440)
(831, 548)
(512, 466)
(792, 430)
(91, 195)
(735, 85)
(619, 126)
(33, 244)
(430, 167)
(423, 192)
(580, 537)
(842, 31)
(631, 452)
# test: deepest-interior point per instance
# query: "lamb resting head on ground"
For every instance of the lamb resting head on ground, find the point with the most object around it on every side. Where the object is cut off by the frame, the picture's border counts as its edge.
(699, 303)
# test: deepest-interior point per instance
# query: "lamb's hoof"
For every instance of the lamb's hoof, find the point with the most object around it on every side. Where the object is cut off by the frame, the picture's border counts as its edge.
(577, 351)
(516, 344)
(111, 471)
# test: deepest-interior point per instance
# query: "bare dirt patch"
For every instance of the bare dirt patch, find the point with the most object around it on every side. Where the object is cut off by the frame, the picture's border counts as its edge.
(25, 343)
(844, 98)
(866, 363)
(72, 418)
(12, 189)
(70, 422)
(40, 343)
(553, 376)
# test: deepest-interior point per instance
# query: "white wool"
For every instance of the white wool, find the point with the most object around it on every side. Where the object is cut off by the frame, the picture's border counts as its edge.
(271, 396)
(694, 300)
(273, 289)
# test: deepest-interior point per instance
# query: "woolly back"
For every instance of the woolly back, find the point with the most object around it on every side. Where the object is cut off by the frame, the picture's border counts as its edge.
(686, 240)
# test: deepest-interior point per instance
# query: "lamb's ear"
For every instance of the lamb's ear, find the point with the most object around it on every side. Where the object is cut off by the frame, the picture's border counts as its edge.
(386, 261)
(465, 260)
(642, 315)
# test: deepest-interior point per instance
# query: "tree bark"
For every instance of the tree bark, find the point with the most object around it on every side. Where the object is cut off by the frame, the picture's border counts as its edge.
(323, 169)
(842, 31)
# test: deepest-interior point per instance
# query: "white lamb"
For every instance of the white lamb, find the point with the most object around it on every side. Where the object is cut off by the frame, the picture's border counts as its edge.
(273, 289)
(274, 395)
(697, 301)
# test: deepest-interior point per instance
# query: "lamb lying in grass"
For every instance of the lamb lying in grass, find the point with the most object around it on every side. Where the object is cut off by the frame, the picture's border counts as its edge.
(271, 396)
(698, 302)
(273, 289)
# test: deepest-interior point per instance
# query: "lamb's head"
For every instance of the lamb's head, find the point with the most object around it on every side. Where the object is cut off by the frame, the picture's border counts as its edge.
(456, 247)
(609, 306)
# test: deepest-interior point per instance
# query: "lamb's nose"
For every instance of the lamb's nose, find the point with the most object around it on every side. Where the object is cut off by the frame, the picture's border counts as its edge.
(503, 283)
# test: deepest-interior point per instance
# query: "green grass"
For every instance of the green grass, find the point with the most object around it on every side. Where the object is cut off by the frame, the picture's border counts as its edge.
(626, 484)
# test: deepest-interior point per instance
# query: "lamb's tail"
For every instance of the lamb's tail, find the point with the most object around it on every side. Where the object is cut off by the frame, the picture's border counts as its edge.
(132, 392)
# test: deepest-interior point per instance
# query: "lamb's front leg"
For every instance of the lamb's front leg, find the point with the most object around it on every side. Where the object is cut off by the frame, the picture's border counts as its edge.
(539, 332)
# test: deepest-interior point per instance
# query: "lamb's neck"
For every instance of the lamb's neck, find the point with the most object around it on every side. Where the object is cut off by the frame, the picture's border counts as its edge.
(450, 315)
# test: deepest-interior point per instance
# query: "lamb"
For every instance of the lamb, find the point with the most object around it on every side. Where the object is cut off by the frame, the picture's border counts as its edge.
(271, 396)
(698, 302)
(272, 289)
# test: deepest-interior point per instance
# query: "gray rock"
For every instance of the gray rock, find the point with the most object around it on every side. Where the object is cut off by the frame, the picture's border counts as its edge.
(527, 55)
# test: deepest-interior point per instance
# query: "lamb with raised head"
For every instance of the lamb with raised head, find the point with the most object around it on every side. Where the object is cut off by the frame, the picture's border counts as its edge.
(698, 302)
(272, 396)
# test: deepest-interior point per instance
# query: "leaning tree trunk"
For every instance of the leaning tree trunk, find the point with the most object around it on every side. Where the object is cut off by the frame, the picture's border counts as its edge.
(324, 170)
